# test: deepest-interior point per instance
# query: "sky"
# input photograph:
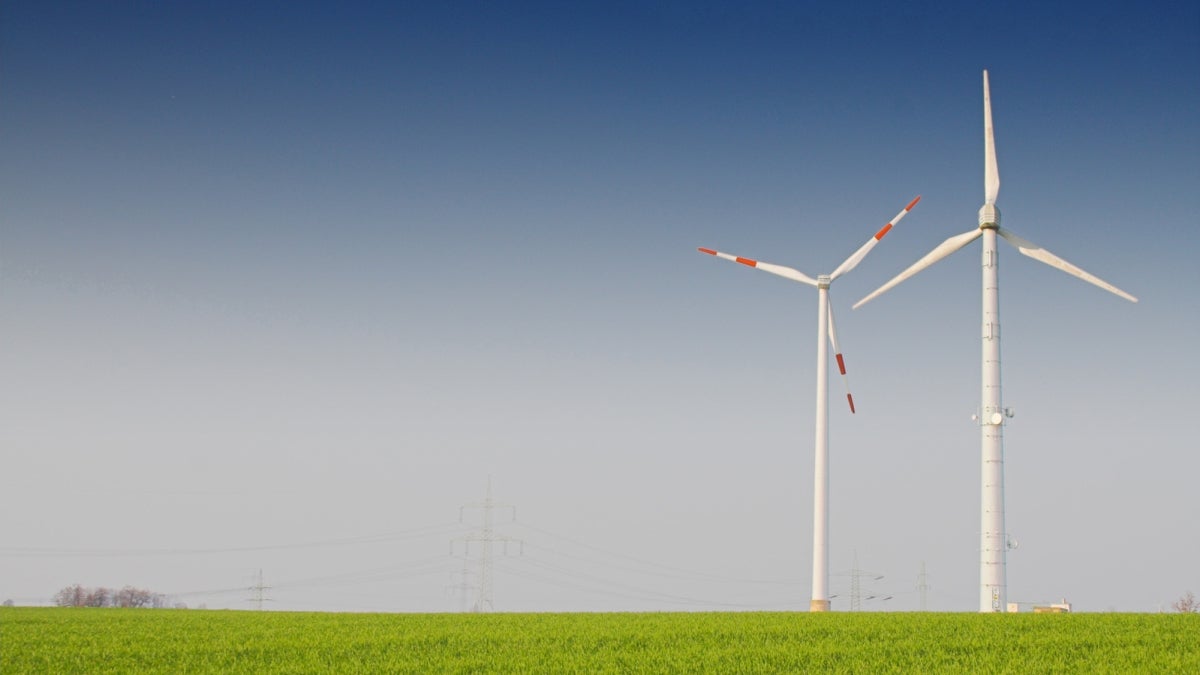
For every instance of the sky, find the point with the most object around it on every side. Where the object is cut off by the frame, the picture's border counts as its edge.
(286, 286)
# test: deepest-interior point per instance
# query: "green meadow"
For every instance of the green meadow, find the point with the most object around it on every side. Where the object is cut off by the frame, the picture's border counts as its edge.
(67, 640)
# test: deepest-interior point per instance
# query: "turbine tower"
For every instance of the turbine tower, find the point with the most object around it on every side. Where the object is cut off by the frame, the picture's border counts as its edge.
(993, 542)
(825, 328)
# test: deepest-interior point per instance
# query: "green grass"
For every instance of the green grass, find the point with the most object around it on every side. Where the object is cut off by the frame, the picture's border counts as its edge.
(43, 640)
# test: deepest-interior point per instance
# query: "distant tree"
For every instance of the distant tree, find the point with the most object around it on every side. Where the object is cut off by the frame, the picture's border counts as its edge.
(133, 597)
(98, 597)
(71, 596)
(138, 597)
(1187, 604)
(8, 603)
(129, 596)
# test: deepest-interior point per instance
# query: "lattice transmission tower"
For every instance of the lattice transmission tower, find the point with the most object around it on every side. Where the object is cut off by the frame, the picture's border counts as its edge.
(856, 589)
(923, 586)
(485, 538)
(463, 587)
(259, 589)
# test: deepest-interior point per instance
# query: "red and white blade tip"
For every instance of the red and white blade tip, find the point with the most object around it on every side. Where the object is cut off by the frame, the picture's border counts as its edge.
(778, 270)
(856, 257)
(736, 258)
(842, 368)
(888, 228)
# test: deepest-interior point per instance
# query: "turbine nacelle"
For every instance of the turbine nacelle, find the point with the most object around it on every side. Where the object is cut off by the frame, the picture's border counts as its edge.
(989, 217)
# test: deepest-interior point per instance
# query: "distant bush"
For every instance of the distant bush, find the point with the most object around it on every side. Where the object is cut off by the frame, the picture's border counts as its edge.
(1187, 604)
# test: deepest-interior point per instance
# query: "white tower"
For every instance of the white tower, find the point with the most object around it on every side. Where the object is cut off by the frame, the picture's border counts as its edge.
(993, 593)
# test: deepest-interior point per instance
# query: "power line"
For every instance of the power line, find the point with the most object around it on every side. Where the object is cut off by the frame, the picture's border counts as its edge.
(606, 588)
(402, 570)
(405, 570)
(383, 537)
(670, 571)
(559, 561)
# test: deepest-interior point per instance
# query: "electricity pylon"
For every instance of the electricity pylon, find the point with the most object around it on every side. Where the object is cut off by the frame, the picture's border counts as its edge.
(486, 536)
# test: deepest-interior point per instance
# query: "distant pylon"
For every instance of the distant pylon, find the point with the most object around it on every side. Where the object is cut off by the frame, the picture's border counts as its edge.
(486, 536)
(258, 589)
(464, 585)
(856, 591)
(923, 586)
(855, 586)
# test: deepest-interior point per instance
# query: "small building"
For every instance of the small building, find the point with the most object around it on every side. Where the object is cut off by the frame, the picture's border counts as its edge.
(1063, 607)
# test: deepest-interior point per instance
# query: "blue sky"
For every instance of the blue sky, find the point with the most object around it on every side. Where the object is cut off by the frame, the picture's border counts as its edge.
(299, 273)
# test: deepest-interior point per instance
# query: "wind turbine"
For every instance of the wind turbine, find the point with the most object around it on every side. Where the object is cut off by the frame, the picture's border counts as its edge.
(825, 327)
(992, 583)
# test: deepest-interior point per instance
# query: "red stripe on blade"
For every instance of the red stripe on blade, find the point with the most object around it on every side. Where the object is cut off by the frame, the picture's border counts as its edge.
(879, 234)
(851, 399)
(912, 203)
(841, 364)
(707, 250)
(747, 261)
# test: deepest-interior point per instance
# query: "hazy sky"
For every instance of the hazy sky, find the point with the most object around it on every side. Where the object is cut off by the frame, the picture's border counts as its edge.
(283, 284)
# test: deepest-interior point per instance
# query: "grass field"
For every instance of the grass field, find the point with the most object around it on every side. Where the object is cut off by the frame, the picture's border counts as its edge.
(45, 640)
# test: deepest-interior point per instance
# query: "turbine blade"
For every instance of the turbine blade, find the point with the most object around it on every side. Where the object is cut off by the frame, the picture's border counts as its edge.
(943, 249)
(837, 353)
(863, 250)
(1038, 253)
(991, 171)
(778, 270)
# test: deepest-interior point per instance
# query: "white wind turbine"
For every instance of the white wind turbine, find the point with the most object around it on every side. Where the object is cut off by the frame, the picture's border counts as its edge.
(820, 583)
(992, 583)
